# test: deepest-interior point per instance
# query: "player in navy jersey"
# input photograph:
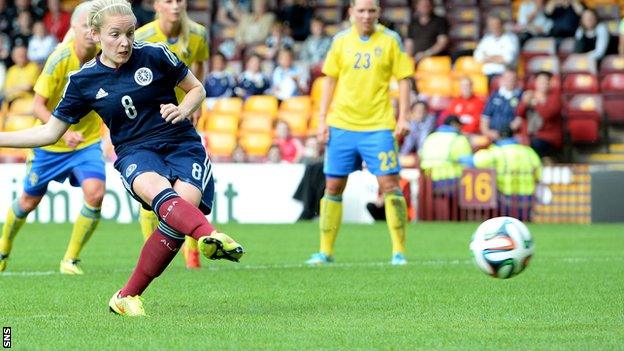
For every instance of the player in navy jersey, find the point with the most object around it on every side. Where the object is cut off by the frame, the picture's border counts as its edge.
(160, 156)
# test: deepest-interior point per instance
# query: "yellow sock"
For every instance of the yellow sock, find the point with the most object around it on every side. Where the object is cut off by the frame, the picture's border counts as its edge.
(191, 244)
(14, 220)
(84, 227)
(148, 222)
(329, 222)
(396, 217)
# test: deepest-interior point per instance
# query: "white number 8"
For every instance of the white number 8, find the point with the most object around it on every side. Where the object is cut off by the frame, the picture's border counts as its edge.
(197, 171)
(131, 111)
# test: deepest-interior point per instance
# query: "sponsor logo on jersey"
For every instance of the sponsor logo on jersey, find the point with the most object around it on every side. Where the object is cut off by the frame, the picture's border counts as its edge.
(100, 94)
(130, 169)
(143, 76)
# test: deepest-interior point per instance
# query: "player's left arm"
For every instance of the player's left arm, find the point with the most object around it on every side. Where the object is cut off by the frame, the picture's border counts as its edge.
(38, 136)
(195, 94)
(402, 69)
(403, 127)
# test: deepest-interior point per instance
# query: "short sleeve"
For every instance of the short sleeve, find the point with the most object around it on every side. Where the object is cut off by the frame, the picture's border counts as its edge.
(202, 49)
(176, 69)
(402, 65)
(72, 106)
(47, 82)
(331, 66)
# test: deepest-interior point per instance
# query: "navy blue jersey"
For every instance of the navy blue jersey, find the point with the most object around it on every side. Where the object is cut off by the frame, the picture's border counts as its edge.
(128, 98)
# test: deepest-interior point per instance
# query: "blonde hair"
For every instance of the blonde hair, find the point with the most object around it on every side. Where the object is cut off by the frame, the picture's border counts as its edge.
(101, 8)
(185, 31)
(78, 10)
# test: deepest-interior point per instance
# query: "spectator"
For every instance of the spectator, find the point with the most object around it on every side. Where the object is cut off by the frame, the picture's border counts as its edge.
(428, 31)
(7, 14)
(22, 34)
(252, 81)
(467, 107)
(229, 12)
(144, 11)
(499, 114)
(5, 52)
(41, 44)
(255, 27)
(219, 83)
(541, 108)
(288, 79)
(21, 77)
(621, 41)
(593, 37)
(278, 40)
(273, 155)
(497, 49)
(422, 123)
(56, 20)
(296, 15)
(239, 155)
(36, 12)
(316, 46)
(565, 15)
(531, 20)
(311, 151)
(290, 148)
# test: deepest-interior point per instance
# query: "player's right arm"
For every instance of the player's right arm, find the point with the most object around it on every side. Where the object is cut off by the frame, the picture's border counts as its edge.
(38, 136)
(40, 109)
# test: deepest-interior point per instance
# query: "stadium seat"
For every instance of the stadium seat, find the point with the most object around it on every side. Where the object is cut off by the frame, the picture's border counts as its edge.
(539, 47)
(434, 65)
(463, 14)
(612, 86)
(264, 104)
(222, 122)
(329, 14)
(611, 64)
(543, 63)
(566, 48)
(435, 84)
(467, 65)
(501, 11)
(607, 11)
(15, 122)
(302, 104)
(397, 15)
(220, 145)
(580, 83)
(232, 105)
(257, 123)
(22, 106)
(460, 3)
(256, 144)
(579, 63)
(297, 121)
(316, 91)
(464, 31)
(583, 115)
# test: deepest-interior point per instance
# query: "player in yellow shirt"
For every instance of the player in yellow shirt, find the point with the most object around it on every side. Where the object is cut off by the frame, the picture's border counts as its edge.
(77, 156)
(359, 66)
(20, 77)
(188, 40)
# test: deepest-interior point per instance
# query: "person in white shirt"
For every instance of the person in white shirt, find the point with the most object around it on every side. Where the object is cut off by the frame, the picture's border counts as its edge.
(497, 50)
(288, 79)
(592, 37)
(532, 20)
(41, 44)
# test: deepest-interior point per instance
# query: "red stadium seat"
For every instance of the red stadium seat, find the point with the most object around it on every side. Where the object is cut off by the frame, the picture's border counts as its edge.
(580, 83)
(566, 48)
(612, 64)
(543, 63)
(612, 87)
(539, 47)
(583, 118)
(461, 14)
(579, 63)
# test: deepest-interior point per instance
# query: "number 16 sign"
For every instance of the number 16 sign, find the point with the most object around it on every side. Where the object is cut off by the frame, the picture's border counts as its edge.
(477, 189)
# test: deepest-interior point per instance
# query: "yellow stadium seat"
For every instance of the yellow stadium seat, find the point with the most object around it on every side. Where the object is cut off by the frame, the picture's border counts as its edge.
(220, 145)
(434, 65)
(317, 90)
(15, 122)
(221, 122)
(231, 105)
(256, 124)
(22, 106)
(256, 144)
(297, 103)
(435, 84)
(467, 65)
(265, 104)
(297, 121)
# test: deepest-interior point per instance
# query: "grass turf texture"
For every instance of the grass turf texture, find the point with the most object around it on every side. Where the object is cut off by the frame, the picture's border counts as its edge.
(570, 297)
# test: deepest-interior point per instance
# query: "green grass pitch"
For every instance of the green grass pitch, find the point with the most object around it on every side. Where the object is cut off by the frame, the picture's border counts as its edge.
(571, 297)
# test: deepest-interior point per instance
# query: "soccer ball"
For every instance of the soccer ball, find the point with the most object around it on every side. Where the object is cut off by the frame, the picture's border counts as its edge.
(501, 247)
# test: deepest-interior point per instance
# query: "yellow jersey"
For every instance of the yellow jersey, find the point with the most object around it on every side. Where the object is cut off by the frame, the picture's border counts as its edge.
(51, 85)
(363, 68)
(18, 76)
(197, 46)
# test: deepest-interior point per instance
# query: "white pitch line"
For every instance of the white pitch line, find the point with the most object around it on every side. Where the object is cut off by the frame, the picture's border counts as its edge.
(333, 265)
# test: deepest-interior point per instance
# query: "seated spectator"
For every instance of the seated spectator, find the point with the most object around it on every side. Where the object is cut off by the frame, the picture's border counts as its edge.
(21, 35)
(316, 46)
(499, 114)
(56, 20)
(565, 15)
(532, 20)
(229, 12)
(422, 123)
(311, 151)
(278, 40)
(254, 27)
(541, 108)
(497, 50)
(296, 15)
(288, 79)
(239, 155)
(428, 31)
(21, 77)
(219, 83)
(252, 81)
(7, 13)
(291, 149)
(41, 44)
(274, 155)
(593, 37)
(467, 107)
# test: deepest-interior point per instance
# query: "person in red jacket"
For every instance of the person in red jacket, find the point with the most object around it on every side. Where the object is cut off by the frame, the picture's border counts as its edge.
(468, 107)
(541, 110)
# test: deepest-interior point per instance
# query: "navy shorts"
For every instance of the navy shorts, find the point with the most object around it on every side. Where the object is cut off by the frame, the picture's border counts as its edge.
(184, 160)
(46, 166)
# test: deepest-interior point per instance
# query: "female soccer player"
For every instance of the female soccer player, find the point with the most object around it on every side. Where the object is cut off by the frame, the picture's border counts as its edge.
(188, 40)
(77, 156)
(160, 156)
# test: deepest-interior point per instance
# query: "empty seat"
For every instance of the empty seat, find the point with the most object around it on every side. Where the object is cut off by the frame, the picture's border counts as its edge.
(434, 65)
(256, 123)
(297, 103)
(220, 145)
(297, 121)
(224, 123)
(539, 47)
(583, 118)
(580, 83)
(459, 14)
(543, 63)
(14, 122)
(612, 86)
(467, 65)
(256, 144)
(264, 104)
(231, 105)
(465, 31)
(397, 15)
(612, 64)
(435, 84)
(566, 48)
(579, 63)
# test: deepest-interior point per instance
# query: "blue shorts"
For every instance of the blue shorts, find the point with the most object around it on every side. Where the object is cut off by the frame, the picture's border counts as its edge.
(78, 166)
(347, 149)
(185, 160)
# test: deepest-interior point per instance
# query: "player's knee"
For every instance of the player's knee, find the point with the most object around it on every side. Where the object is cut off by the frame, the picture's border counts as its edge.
(334, 188)
(94, 195)
(29, 203)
